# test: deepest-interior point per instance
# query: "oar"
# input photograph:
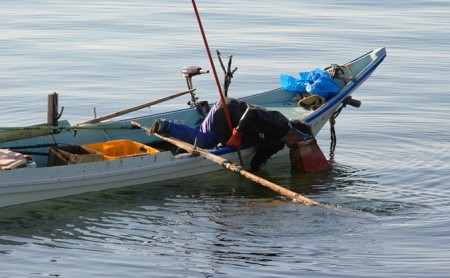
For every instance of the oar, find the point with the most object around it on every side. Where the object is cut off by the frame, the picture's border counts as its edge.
(132, 109)
(233, 168)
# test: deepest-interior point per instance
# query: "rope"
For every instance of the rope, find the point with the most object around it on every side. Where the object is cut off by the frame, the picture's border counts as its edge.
(333, 130)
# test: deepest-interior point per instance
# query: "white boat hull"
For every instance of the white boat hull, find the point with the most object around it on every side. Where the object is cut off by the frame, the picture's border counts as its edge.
(28, 185)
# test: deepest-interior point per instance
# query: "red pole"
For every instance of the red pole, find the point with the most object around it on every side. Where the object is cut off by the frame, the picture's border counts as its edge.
(222, 98)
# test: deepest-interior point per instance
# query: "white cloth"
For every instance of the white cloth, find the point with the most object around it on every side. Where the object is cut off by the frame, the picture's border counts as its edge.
(10, 160)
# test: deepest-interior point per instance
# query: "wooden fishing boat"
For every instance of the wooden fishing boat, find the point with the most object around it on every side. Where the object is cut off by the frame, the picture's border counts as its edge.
(41, 178)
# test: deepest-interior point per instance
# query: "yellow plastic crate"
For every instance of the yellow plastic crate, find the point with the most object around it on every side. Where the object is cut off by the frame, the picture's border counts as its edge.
(118, 149)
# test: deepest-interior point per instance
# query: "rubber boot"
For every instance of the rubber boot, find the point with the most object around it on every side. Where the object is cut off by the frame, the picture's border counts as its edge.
(307, 157)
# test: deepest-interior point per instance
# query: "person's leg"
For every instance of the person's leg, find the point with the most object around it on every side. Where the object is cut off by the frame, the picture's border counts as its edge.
(186, 133)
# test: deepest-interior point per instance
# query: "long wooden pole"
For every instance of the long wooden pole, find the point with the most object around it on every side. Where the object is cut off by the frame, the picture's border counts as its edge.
(132, 109)
(50, 127)
(12, 133)
(234, 168)
(222, 98)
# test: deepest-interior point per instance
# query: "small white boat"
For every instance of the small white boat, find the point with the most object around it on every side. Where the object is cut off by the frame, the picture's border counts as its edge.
(37, 181)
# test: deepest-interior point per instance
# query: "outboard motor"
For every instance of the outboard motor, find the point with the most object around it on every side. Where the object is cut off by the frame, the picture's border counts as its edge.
(188, 73)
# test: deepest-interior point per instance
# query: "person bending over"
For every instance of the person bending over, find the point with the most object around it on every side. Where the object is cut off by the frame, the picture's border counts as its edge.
(255, 126)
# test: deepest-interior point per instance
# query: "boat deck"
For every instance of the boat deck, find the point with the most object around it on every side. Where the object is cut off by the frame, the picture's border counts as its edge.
(290, 109)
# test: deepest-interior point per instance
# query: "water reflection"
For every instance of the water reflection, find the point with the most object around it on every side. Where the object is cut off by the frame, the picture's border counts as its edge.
(109, 215)
(209, 223)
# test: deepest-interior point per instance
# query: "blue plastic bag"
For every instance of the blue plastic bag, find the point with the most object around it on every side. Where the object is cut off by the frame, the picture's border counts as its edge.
(316, 82)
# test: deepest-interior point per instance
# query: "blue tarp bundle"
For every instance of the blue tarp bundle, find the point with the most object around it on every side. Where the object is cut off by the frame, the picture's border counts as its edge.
(316, 82)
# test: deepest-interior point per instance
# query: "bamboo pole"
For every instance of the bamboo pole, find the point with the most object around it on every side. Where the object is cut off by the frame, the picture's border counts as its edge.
(18, 134)
(234, 168)
(50, 127)
(132, 109)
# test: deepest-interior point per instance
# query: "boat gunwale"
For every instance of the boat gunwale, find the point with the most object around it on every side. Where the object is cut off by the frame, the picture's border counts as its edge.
(169, 159)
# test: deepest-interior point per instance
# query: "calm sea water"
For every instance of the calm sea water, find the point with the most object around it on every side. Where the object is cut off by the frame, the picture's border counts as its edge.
(391, 165)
